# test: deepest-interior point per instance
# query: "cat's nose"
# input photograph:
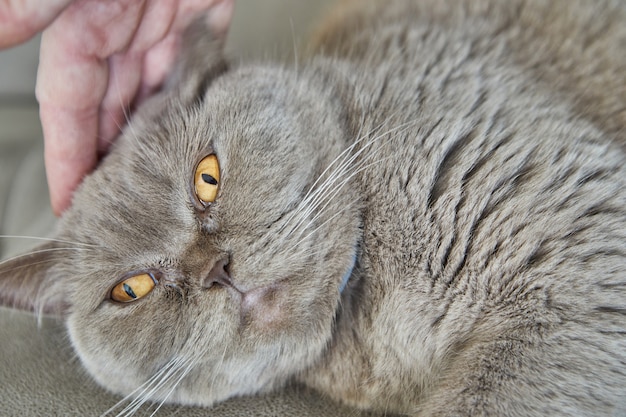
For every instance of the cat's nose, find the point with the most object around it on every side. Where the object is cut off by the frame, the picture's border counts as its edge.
(217, 275)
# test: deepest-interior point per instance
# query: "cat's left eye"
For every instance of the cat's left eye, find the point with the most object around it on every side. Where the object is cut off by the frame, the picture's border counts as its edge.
(207, 179)
(133, 288)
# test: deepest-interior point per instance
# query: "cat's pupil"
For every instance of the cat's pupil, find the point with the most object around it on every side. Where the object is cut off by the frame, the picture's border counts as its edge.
(129, 291)
(209, 179)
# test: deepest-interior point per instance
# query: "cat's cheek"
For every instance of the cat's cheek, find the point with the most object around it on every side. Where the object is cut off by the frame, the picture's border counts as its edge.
(99, 362)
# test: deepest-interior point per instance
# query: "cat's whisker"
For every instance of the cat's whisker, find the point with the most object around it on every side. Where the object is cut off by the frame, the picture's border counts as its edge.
(220, 364)
(131, 394)
(165, 379)
(340, 176)
(295, 45)
(40, 251)
(346, 207)
(302, 252)
(361, 168)
(142, 393)
(338, 173)
(3, 271)
(185, 372)
(307, 205)
(126, 112)
(312, 192)
(347, 165)
(47, 239)
(297, 251)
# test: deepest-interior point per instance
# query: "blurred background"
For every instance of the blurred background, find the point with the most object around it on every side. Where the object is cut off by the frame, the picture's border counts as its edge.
(268, 29)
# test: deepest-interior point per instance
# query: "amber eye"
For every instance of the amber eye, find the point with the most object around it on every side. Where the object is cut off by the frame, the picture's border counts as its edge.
(133, 288)
(207, 179)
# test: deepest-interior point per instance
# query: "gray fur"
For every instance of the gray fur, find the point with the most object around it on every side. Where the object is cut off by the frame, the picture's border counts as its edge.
(468, 153)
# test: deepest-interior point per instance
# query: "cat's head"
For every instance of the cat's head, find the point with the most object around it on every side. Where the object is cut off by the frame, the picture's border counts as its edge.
(209, 249)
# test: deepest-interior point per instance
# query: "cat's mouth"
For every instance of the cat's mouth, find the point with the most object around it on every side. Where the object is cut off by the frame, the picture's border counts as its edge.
(266, 304)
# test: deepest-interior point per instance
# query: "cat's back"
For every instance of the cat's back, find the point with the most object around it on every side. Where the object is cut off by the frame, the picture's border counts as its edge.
(499, 118)
(575, 48)
(495, 201)
(485, 109)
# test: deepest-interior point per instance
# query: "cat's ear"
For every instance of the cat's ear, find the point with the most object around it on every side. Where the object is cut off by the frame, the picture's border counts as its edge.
(26, 284)
(202, 56)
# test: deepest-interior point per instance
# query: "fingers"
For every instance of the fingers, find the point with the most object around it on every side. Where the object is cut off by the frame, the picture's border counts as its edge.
(123, 84)
(72, 81)
(158, 63)
(70, 151)
(69, 98)
(219, 14)
(21, 20)
(69, 90)
(156, 23)
(160, 58)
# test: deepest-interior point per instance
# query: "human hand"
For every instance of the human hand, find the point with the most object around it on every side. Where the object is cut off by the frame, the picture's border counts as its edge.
(97, 59)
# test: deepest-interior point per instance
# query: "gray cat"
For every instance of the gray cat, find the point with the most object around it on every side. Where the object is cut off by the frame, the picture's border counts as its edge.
(427, 216)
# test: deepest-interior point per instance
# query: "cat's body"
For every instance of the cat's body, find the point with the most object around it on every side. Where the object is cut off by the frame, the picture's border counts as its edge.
(482, 235)
(470, 195)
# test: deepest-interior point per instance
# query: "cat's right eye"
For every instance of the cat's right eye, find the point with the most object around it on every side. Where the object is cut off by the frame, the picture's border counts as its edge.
(206, 179)
(133, 288)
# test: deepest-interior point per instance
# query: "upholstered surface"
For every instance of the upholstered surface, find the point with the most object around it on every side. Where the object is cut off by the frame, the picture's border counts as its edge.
(39, 373)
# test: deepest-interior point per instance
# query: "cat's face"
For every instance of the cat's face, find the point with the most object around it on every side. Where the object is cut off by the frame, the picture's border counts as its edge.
(233, 293)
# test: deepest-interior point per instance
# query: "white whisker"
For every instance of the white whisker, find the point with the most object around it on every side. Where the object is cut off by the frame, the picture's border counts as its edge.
(328, 196)
(342, 155)
(345, 164)
(47, 239)
(149, 392)
(346, 207)
(336, 191)
(219, 365)
(185, 372)
(175, 371)
(338, 178)
(132, 393)
(36, 252)
(302, 252)
(125, 112)
(3, 271)
(143, 392)
(338, 174)
(305, 207)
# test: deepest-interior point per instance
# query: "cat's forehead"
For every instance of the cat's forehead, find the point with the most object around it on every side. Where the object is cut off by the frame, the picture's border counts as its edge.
(248, 110)
(142, 194)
